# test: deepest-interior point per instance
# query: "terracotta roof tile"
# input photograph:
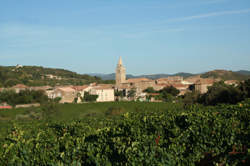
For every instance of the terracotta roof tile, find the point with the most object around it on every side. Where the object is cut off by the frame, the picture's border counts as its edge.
(135, 80)
(20, 86)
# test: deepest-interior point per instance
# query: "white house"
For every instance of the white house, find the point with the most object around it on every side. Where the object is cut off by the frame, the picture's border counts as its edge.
(105, 93)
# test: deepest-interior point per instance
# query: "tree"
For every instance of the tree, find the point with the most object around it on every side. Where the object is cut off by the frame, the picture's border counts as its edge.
(150, 90)
(131, 93)
(167, 97)
(170, 90)
(245, 88)
(23, 97)
(89, 98)
(191, 97)
(11, 82)
(119, 93)
(221, 93)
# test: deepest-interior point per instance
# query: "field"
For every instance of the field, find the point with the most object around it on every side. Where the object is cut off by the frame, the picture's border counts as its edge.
(126, 133)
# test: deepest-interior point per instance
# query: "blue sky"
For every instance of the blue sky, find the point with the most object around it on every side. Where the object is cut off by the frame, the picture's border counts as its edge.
(152, 36)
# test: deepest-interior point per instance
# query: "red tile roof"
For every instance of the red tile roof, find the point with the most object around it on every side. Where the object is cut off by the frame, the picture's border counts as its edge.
(79, 88)
(5, 107)
(154, 94)
(205, 81)
(135, 80)
(20, 86)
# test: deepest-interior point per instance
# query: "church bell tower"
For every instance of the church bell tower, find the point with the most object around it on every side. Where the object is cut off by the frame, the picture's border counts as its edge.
(120, 73)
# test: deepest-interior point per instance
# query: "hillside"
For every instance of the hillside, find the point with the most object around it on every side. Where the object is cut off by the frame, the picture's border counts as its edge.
(39, 76)
(225, 75)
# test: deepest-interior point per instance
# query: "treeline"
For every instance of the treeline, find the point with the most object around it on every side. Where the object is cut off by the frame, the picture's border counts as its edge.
(220, 93)
(23, 97)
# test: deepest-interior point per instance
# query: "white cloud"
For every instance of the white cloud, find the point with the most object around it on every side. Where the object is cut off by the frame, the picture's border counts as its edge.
(207, 15)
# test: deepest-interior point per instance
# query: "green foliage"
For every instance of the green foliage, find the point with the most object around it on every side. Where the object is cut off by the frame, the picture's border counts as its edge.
(191, 97)
(221, 93)
(57, 99)
(36, 76)
(89, 98)
(150, 90)
(23, 97)
(211, 135)
(245, 88)
(119, 93)
(170, 90)
(131, 93)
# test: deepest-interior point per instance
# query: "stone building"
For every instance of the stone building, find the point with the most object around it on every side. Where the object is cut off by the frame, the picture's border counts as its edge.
(120, 73)
(19, 87)
(67, 94)
(202, 85)
(140, 84)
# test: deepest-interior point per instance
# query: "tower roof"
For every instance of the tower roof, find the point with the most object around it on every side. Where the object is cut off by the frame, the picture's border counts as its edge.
(120, 61)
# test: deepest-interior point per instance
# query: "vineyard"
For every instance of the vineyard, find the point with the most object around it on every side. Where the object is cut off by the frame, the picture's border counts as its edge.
(145, 134)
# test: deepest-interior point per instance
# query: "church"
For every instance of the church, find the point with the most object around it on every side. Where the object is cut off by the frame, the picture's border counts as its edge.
(138, 84)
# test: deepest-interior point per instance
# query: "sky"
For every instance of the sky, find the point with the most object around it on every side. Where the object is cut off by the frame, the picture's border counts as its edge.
(151, 36)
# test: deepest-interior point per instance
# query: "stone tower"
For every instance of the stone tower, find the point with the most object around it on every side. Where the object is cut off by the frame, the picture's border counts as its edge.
(120, 73)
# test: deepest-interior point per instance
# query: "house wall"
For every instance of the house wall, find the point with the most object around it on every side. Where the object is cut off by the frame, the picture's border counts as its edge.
(202, 88)
(104, 95)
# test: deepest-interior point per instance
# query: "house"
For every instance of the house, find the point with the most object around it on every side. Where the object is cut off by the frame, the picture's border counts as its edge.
(19, 87)
(170, 79)
(202, 85)
(153, 97)
(183, 88)
(232, 82)
(82, 89)
(5, 106)
(105, 92)
(41, 88)
(67, 94)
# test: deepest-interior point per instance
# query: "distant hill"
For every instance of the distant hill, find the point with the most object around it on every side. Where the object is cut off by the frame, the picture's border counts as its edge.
(152, 76)
(226, 75)
(244, 72)
(39, 76)
(222, 74)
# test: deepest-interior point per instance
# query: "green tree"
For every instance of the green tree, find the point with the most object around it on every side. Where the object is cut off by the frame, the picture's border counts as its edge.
(11, 82)
(191, 97)
(119, 93)
(245, 88)
(150, 90)
(131, 93)
(170, 90)
(221, 93)
(89, 98)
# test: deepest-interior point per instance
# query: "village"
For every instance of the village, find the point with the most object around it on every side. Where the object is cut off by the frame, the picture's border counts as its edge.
(130, 89)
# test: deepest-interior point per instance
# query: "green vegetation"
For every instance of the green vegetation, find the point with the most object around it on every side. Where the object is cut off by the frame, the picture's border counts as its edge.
(167, 94)
(89, 98)
(126, 133)
(23, 97)
(220, 93)
(36, 76)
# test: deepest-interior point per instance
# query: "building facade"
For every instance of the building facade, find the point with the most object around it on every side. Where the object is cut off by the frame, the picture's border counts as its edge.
(120, 73)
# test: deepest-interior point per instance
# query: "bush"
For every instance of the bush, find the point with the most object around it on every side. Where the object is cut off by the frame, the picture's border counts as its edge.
(221, 93)
(89, 98)
(23, 97)
(170, 90)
